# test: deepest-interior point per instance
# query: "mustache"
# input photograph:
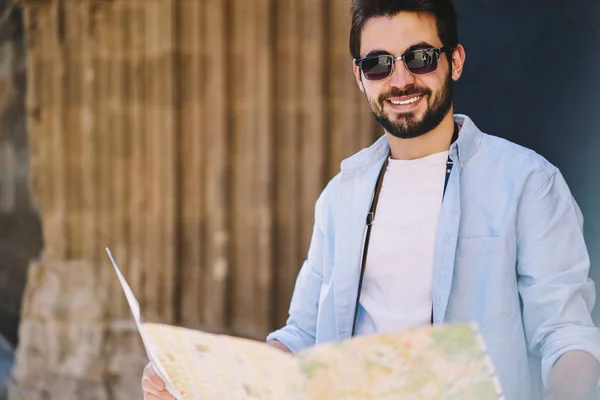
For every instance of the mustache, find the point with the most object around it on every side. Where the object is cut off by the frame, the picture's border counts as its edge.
(410, 91)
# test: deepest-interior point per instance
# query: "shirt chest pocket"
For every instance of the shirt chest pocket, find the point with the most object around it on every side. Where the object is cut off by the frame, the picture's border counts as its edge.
(484, 283)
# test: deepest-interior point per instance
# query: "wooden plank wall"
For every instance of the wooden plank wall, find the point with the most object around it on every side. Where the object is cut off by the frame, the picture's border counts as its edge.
(193, 137)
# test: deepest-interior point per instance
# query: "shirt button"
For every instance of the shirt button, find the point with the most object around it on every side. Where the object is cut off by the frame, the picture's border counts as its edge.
(344, 302)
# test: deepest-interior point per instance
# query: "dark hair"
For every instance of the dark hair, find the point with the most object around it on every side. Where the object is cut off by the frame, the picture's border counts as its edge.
(443, 10)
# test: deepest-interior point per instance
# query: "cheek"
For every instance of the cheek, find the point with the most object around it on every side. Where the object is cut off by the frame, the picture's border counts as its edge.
(433, 84)
(374, 90)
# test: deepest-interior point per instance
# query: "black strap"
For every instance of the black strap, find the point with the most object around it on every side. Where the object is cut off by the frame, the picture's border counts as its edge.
(371, 218)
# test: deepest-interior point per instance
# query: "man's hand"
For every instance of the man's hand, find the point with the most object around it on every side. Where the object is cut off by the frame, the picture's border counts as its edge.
(154, 387)
(574, 377)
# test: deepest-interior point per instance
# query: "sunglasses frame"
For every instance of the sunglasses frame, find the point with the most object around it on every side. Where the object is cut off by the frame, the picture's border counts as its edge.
(436, 51)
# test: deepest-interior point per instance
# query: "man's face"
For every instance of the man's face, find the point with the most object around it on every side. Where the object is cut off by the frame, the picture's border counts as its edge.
(406, 105)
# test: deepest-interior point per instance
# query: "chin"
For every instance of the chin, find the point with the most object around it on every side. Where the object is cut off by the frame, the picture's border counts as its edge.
(416, 114)
(411, 118)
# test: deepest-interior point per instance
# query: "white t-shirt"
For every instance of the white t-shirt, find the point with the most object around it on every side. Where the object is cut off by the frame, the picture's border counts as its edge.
(397, 285)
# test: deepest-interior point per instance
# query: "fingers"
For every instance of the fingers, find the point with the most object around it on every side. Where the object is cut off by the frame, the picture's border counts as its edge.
(154, 387)
(153, 379)
(151, 393)
(149, 388)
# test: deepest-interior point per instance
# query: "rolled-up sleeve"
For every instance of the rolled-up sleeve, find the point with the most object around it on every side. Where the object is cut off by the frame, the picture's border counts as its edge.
(300, 329)
(553, 268)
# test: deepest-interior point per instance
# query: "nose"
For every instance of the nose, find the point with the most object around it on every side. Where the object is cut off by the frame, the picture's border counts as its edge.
(401, 76)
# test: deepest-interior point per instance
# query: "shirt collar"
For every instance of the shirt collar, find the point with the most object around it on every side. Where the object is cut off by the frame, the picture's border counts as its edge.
(461, 151)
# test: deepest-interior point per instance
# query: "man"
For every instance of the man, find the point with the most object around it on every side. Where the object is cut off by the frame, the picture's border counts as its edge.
(504, 248)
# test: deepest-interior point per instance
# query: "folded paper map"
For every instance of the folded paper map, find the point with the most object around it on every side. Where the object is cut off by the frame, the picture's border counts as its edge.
(446, 362)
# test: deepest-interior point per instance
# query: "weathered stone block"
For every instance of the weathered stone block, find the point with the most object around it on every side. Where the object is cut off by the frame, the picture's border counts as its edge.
(70, 348)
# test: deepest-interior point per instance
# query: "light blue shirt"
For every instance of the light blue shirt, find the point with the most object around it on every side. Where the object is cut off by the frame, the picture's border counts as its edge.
(509, 254)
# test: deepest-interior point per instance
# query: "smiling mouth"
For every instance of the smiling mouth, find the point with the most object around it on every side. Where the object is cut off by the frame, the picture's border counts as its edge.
(406, 102)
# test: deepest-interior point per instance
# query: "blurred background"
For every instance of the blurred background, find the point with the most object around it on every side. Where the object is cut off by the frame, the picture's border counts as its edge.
(192, 137)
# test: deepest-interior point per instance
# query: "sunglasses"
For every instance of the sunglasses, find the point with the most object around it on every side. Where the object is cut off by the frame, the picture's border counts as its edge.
(418, 62)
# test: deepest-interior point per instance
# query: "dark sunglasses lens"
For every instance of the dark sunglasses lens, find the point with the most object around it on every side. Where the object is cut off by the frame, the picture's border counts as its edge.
(377, 68)
(421, 62)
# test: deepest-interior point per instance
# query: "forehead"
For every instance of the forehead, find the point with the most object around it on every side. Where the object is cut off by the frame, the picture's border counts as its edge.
(396, 34)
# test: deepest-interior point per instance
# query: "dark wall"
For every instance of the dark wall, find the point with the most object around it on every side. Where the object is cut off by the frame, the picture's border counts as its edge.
(533, 76)
(20, 230)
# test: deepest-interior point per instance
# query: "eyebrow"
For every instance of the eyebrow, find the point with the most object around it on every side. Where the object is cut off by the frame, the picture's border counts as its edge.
(417, 46)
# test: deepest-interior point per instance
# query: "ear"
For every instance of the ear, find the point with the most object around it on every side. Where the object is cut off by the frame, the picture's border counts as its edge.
(458, 62)
(358, 76)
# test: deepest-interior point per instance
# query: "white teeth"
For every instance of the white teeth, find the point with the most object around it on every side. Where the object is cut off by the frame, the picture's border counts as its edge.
(414, 99)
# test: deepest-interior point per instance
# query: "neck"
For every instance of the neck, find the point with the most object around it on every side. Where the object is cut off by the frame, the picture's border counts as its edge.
(434, 141)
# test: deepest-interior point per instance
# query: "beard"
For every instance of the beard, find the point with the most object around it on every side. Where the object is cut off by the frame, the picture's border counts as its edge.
(406, 125)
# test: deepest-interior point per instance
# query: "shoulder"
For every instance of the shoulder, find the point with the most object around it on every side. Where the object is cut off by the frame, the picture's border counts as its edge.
(506, 150)
(518, 159)
(511, 166)
(515, 161)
